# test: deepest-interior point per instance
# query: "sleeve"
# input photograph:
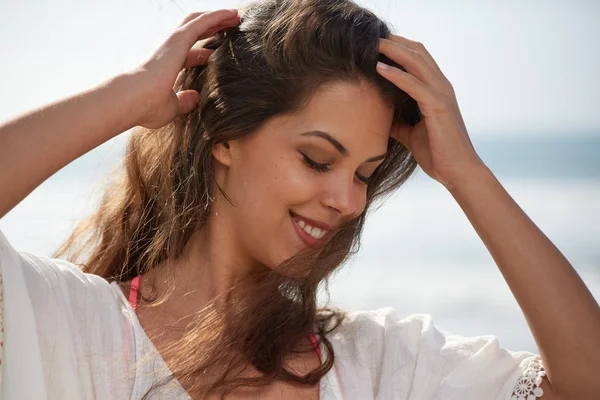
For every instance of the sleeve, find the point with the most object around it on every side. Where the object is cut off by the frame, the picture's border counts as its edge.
(53, 317)
(418, 361)
(1, 331)
(22, 375)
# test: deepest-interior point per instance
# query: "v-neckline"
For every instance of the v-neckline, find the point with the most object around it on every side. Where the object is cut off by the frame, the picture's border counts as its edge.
(138, 329)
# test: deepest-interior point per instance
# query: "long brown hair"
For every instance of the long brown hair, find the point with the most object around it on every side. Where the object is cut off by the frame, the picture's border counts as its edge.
(271, 64)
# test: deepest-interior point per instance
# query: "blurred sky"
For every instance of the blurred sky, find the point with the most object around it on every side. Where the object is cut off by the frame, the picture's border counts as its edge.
(518, 67)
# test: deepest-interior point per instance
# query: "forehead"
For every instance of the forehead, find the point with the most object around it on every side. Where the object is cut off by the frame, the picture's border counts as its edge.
(355, 114)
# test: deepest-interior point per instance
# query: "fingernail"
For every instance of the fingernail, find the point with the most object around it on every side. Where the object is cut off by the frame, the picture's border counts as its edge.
(382, 66)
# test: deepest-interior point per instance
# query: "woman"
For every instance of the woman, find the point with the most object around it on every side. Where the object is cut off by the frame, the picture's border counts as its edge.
(247, 182)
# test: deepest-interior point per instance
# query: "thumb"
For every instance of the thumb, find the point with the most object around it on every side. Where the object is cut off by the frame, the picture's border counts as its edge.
(187, 101)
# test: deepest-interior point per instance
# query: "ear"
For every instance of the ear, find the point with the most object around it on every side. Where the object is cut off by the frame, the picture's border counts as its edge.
(222, 153)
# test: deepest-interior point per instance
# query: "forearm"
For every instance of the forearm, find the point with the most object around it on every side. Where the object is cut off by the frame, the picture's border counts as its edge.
(563, 316)
(37, 144)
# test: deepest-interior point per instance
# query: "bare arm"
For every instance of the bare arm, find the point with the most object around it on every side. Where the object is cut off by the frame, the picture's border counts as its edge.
(562, 314)
(36, 145)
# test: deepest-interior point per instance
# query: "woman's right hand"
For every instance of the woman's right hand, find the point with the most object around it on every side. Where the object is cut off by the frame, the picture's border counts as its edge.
(159, 72)
(36, 144)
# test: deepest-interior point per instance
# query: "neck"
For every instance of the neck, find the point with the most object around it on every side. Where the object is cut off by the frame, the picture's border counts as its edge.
(210, 262)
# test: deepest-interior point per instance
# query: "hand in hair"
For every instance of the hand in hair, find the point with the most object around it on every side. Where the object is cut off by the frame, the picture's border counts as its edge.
(440, 142)
(160, 71)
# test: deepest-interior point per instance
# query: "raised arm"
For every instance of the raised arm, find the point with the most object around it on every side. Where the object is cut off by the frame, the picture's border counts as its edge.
(37, 144)
(563, 316)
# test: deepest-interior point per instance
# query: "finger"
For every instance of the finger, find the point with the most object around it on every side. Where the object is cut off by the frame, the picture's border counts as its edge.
(410, 59)
(194, 15)
(407, 82)
(187, 101)
(197, 56)
(197, 28)
(420, 48)
(178, 44)
(225, 25)
(190, 17)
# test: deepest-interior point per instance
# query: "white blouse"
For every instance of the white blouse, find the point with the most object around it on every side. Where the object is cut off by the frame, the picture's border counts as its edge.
(70, 335)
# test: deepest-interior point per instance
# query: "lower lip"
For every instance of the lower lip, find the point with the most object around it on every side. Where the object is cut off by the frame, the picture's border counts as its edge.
(307, 238)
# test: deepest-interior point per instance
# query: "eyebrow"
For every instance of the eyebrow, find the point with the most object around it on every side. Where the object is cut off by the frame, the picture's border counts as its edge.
(339, 147)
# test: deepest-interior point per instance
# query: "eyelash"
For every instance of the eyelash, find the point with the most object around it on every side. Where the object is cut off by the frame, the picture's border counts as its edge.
(325, 167)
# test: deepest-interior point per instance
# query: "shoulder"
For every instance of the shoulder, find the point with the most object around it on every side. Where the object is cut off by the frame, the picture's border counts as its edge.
(54, 290)
(58, 318)
(380, 335)
(411, 355)
(384, 324)
(418, 332)
(371, 343)
(41, 273)
(386, 317)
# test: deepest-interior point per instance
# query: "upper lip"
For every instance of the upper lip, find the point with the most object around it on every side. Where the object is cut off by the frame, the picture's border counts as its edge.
(315, 223)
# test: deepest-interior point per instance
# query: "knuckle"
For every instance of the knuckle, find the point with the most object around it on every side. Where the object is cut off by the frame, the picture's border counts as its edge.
(189, 18)
(451, 88)
(419, 46)
(447, 84)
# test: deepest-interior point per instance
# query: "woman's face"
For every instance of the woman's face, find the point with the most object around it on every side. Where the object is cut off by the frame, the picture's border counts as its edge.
(302, 175)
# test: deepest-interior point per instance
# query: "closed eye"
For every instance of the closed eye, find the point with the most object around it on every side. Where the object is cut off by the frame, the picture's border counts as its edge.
(315, 165)
(326, 167)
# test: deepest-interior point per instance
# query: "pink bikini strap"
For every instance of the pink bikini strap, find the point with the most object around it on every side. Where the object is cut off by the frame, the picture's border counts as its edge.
(313, 339)
(133, 292)
(135, 287)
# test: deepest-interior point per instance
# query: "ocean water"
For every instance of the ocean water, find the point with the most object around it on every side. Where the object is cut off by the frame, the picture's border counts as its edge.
(419, 253)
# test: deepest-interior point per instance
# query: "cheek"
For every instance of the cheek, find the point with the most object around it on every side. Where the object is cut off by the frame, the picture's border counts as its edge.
(290, 183)
(265, 189)
(264, 194)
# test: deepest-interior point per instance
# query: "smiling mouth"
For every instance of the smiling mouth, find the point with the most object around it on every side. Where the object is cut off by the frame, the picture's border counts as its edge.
(312, 236)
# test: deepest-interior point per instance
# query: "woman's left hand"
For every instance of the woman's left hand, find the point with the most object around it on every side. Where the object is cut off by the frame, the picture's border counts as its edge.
(440, 142)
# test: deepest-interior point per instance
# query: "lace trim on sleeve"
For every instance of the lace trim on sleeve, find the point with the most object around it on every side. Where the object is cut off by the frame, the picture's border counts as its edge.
(528, 385)
(1, 328)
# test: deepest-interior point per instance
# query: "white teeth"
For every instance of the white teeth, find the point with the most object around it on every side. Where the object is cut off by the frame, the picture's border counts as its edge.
(317, 233)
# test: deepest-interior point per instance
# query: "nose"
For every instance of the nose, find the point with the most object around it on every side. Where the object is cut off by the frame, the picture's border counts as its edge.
(343, 195)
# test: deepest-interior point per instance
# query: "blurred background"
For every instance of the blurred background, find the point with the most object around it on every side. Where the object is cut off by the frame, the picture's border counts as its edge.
(525, 74)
